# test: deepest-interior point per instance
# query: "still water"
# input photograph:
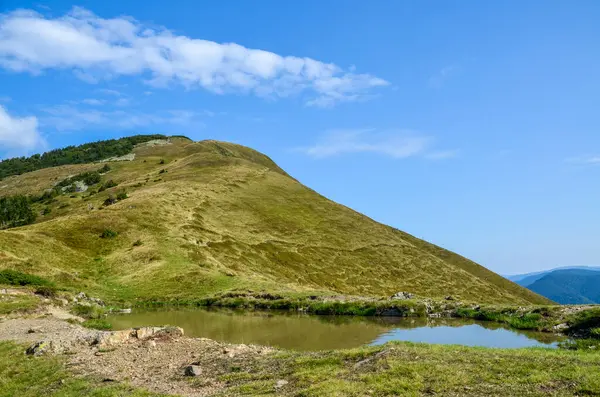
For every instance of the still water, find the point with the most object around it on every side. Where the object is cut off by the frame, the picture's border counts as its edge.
(306, 332)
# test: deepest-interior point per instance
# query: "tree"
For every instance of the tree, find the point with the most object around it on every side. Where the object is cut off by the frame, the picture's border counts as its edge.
(15, 211)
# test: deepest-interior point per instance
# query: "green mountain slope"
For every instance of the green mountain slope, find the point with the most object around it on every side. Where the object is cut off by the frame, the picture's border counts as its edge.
(573, 286)
(211, 216)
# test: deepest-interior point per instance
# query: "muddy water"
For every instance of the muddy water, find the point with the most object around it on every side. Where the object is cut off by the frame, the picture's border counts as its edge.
(305, 332)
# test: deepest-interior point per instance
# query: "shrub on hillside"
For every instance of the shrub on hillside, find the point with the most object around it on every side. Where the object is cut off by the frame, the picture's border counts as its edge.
(14, 277)
(15, 211)
(122, 195)
(110, 200)
(108, 233)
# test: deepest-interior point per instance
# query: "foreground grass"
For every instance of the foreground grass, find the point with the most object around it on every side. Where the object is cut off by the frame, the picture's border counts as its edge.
(419, 369)
(25, 376)
(18, 304)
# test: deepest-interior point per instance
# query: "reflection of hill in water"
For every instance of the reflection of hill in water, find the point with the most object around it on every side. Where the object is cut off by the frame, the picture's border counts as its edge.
(291, 330)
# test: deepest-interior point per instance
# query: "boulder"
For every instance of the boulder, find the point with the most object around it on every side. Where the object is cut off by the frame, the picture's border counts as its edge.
(157, 332)
(402, 295)
(280, 383)
(113, 338)
(193, 370)
(38, 348)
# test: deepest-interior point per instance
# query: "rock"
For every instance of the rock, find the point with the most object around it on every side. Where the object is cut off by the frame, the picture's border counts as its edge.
(560, 327)
(449, 298)
(157, 332)
(38, 348)
(150, 344)
(34, 330)
(107, 339)
(124, 311)
(193, 370)
(402, 295)
(63, 302)
(146, 332)
(280, 383)
(3, 291)
(81, 295)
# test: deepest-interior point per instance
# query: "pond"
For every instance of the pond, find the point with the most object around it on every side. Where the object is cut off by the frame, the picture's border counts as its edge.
(309, 332)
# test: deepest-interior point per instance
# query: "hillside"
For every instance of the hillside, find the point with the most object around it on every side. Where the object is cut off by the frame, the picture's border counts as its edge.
(204, 217)
(570, 286)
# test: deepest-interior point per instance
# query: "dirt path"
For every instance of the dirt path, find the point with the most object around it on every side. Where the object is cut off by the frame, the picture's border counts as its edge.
(156, 363)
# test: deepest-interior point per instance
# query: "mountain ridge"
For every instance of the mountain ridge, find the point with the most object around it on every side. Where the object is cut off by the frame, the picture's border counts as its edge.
(212, 216)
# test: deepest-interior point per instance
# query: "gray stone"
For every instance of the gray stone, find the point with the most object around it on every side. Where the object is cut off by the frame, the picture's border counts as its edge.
(38, 348)
(402, 295)
(280, 383)
(560, 327)
(124, 311)
(193, 370)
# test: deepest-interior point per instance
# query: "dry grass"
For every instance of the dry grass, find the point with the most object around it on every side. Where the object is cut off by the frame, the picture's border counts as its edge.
(222, 217)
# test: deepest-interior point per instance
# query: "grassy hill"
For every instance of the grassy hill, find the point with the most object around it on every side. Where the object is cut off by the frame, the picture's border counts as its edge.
(204, 217)
(571, 286)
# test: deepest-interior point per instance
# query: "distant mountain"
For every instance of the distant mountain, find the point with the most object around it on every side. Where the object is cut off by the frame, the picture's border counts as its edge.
(576, 285)
(526, 279)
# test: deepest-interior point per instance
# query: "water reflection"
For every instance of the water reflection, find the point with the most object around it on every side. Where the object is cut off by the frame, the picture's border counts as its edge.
(305, 332)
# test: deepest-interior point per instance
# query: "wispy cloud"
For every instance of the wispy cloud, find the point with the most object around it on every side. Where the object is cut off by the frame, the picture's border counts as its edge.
(584, 160)
(106, 91)
(5, 99)
(19, 134)
(397, 144)
(93, 101)
(439, 78)
(72, 118)
(95, 48)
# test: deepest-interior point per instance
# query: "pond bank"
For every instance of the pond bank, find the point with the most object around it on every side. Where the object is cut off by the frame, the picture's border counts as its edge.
(576, 321)
(158, 362)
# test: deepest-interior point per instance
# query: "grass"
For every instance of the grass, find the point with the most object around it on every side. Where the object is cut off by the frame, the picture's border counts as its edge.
(13, 277)
(98, 323)
(418, 369)
(18, 304)
(227, 217)
(25, 376)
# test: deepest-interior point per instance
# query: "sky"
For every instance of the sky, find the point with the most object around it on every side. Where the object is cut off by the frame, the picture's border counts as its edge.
(474, 125)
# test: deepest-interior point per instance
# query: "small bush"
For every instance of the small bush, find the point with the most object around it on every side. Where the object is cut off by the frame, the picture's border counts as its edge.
(104, 169)
(122, 195)
(137, 243)
(46, 291)
(162, 171)
(107, 185)
(162, 161)
(98, 323)
(88, 311)
(110, 200)
(109, 233)
(46, 211)
(13, 277)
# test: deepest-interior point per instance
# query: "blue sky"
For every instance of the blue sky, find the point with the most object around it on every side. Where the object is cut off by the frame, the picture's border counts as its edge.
(474, 125)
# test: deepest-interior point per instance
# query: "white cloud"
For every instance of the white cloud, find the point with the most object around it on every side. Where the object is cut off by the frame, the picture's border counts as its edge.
(109, 92)
(93, 101)
(585, 160)
(71, 118)
(398, 144)
(19, 134)
(95, 48)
